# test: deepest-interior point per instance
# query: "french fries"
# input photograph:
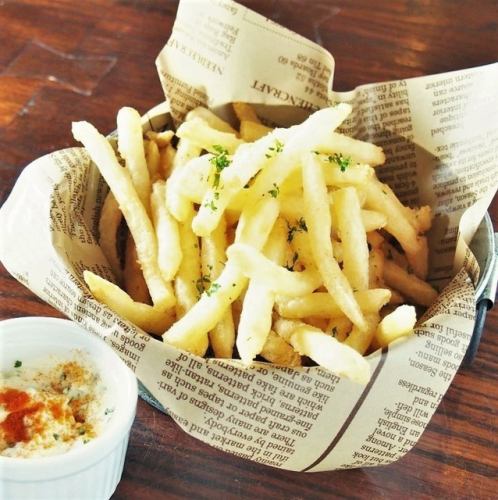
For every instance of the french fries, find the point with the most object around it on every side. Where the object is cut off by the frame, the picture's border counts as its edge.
(279, 242)
(134, 212)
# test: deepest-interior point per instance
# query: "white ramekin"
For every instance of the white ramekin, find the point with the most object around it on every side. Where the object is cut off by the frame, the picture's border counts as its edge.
(91, 471)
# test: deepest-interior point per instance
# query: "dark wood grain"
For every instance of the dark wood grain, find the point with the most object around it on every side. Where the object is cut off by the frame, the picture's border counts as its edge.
(457, 456)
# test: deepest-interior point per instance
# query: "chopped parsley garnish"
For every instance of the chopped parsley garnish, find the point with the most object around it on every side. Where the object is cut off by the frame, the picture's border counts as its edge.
(277, 148)
(211, 205)
(290, 267)
(342, 161)
(199, 284)
(220, 161)
(275, 191)
(298, 228)
(17, 364)
(108, 411)
(212, 289)
(56, 436)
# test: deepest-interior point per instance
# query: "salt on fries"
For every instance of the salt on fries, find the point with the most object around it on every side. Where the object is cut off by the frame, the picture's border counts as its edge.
(278, 244)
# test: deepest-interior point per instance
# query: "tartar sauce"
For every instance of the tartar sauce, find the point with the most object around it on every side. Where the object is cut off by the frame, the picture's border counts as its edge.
(50, 410)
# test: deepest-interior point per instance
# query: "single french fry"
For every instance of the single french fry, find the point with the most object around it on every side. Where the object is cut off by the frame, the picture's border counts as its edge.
(153, 319)
(222, 336)
(277, 351)
(339, 328)
(255, 321)
(139, 224)
(245, 112)
(412, 287)
(397, 324)
(110, 219)
(360, 340)
(189, 272)
(252, 131)
(162, 139)
(353, 237)
(169, 250)
(353, 150)
(133, 278)
(191, 331)
(200, 133)
(211, 119)
(318, 220)
(253, 264)
(131, 148)
(153, 160)
(335, 356)
(323, 305)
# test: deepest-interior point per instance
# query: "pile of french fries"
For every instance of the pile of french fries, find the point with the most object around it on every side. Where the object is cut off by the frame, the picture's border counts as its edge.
(277, 243)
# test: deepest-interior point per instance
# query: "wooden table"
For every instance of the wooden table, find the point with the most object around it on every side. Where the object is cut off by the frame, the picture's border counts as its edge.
(43, 88)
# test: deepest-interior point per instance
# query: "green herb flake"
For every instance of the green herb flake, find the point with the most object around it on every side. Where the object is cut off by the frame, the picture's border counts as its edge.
(199, 284)
(300, 227)
(342, 161)
(220, 161)
(274, 150)
(81, 432)
(212, 289)
(334, 331)
(108, 411)
(211, 205)
(275, 191)
(56, 437)
(17, 364)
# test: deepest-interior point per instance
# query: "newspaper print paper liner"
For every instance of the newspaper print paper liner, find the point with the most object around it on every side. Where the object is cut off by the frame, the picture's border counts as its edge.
(303, 419)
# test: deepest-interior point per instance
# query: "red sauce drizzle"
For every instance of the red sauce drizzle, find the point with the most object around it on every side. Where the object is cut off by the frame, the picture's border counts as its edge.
(19, 404)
